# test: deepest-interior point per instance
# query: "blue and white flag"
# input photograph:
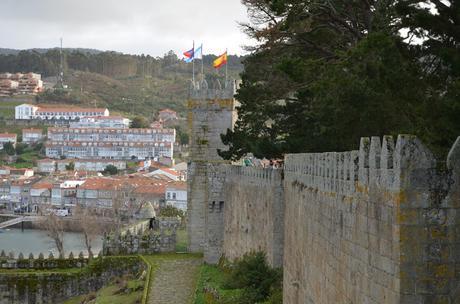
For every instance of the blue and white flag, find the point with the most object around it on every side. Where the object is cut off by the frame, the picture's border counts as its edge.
(199, 52)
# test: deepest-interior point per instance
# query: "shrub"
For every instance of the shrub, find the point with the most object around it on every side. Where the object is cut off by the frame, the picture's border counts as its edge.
(258, 281)
(171, 211)
(110, 170)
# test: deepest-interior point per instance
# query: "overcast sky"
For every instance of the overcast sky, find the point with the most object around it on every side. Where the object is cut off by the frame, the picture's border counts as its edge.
(130, 26)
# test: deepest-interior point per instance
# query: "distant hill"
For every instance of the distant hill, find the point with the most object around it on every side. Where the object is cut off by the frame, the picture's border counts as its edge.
(132, 84)
(5, 51)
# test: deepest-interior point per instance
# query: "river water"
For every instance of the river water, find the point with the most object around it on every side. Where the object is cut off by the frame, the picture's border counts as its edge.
(36, 241)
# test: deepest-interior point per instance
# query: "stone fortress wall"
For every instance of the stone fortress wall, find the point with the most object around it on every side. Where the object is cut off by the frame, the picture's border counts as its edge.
(254, 212)
(377, 225)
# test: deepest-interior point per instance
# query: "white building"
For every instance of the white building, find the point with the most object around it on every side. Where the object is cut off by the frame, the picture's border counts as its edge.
(46, 165)
(7, 137)
(112, 122)
(96, 165)
(108, 150)
(176, 195)
(25, 111)
(30, 136)
(41, 112)
(111, 135)
(105, 143)
(65, 194)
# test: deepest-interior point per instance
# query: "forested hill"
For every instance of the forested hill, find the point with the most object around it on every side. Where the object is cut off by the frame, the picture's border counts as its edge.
(135, 84)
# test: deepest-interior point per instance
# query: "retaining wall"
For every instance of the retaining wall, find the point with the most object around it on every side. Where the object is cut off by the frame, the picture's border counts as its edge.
(55, 287)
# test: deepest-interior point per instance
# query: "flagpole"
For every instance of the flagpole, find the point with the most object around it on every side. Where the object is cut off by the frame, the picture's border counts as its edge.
(202, 66)
(226, 64)
(193, 63)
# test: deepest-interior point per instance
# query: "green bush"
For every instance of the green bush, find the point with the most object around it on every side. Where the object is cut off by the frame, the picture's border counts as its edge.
(110, 170)
(171, 211)
(257, 280)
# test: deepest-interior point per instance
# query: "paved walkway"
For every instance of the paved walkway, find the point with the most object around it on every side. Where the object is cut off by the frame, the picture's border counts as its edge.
(174, 281)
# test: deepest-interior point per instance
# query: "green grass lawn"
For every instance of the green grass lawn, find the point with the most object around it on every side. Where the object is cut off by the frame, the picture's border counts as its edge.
(211, 277)
(128, 292)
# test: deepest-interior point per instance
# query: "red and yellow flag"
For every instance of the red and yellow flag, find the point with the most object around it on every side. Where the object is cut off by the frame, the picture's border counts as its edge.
(220, 61)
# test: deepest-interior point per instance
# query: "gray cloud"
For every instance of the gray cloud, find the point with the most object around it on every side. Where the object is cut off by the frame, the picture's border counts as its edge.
(133, 26)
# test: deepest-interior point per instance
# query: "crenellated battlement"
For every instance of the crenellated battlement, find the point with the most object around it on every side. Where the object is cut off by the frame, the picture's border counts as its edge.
(201, 90)
(254, 175)
(378, 162)
(10, 261)
(385, 211)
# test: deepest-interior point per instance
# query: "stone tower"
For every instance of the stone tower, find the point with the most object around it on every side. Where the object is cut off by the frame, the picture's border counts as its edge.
(211, 111)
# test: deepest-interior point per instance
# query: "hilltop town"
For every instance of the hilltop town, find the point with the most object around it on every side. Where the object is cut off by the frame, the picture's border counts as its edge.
(80, 150)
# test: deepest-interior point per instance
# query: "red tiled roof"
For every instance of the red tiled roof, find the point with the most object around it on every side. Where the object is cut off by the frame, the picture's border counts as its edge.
(8, 135)
(46, 160)
(178, 185)
(167, 111)
(42, 185)
(69, 109)
(140, 185)
(32, 131)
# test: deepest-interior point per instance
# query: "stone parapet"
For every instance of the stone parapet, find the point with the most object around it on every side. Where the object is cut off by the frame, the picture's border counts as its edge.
(378, 225)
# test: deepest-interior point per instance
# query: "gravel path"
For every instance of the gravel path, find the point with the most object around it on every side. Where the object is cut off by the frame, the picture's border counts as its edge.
(174, 281)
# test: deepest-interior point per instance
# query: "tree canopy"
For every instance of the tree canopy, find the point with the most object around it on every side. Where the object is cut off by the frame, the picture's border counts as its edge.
(110, 170)
(325, 73)
(139, 122)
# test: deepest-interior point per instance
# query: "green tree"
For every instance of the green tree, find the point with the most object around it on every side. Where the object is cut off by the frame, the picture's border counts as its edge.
(171, 211)
(9, 149)
(438, 32)
(182, 135)
(70, 166)
(326, 73)
(139, 122)
(21, 147)
(110, 170)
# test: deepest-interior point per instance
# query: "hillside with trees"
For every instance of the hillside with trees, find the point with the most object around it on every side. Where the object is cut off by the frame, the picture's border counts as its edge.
(134, 84)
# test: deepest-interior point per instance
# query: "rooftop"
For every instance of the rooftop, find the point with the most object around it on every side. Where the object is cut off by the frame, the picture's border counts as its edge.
(167, 111)
(177, 185)
(44, 108)
(32, 130)
(7, 135)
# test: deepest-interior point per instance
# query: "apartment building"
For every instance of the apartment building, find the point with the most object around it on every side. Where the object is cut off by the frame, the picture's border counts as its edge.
(111, 135)
(91, 165)
(46, 112)
(8, 87)
(18, 83)
(104, 143)
(111, 122)
(30, 136)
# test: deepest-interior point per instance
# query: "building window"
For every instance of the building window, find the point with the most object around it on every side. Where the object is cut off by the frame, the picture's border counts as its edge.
(174, 195)
(168, 195)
